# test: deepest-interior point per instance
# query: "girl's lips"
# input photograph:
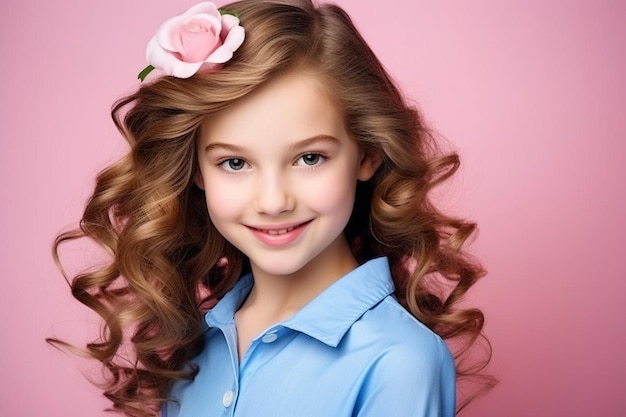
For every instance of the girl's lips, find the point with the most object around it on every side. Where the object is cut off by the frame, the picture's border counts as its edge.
(278, 236)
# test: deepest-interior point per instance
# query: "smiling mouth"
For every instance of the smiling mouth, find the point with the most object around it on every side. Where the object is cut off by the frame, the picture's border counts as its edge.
(280, 236)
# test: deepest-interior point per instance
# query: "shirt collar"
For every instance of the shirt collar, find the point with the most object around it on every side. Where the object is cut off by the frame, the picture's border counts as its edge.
(329, 315)
(223, 313)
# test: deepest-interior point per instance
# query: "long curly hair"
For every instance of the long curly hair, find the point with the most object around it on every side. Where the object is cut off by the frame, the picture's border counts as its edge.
(152, 219)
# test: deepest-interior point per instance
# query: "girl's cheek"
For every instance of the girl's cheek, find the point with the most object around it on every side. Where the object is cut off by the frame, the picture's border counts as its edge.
(224, 198)
(334, 190)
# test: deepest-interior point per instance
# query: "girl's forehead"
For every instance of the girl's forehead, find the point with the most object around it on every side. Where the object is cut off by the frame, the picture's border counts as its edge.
(295, 106)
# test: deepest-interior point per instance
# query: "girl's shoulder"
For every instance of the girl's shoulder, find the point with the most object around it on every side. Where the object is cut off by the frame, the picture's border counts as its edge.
(397, 331)
(410, 368)
(377, 321)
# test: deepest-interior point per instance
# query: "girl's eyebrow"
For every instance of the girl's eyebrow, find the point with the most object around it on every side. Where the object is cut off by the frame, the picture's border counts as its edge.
(225, 146)
(297, 145)
(315, 140)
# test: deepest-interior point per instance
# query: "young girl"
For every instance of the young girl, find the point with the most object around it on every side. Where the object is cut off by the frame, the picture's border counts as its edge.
(276, 175)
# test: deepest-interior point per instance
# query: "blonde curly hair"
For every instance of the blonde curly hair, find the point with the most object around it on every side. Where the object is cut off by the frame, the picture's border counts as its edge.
(147, 212)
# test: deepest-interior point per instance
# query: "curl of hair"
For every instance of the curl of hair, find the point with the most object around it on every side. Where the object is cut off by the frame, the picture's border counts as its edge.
(152, 219)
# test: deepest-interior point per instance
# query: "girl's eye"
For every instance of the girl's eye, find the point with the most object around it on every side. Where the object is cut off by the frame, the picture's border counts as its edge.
(310, 159)
(233, 164)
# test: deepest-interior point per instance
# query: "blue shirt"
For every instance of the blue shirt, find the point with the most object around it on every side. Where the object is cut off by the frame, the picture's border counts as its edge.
(352, 351)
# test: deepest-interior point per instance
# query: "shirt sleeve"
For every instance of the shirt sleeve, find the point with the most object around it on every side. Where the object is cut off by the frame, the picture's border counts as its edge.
(410, 382)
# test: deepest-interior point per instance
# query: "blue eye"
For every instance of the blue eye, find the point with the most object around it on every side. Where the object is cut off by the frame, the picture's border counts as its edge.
(310, 159)
(233, 164)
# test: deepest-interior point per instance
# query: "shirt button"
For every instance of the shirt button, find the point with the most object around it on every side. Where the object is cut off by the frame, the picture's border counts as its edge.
(228, 397)
(269, 337)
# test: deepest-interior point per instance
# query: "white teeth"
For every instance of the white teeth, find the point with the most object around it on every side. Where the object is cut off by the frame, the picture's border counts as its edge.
(279, 232)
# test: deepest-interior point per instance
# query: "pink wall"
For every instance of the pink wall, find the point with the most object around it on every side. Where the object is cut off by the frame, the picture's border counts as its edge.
(530, 92)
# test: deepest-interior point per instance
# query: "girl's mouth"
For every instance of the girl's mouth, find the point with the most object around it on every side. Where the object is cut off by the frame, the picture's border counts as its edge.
(279, 236)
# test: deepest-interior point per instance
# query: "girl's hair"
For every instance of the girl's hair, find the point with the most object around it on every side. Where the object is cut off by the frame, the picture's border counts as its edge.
(147, 212)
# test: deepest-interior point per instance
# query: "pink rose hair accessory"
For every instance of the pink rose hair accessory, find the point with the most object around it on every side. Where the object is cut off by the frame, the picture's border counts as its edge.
(201, 37)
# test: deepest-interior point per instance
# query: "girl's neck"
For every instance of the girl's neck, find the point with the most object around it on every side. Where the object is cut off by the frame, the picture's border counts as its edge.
(277, 297)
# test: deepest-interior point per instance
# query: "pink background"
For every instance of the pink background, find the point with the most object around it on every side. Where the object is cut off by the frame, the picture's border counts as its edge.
(532, 93)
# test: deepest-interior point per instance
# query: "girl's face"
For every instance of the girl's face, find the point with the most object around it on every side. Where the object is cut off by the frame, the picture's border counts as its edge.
(279, 172)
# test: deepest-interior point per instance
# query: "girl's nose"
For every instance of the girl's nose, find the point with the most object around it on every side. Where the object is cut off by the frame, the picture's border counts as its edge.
(273, 196)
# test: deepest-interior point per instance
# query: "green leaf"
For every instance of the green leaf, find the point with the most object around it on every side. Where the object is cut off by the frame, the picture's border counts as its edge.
(144, 73)
(225, 11)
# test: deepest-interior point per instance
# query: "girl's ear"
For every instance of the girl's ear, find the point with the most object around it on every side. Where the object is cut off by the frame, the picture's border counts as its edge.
(370, 161)
(197, 179)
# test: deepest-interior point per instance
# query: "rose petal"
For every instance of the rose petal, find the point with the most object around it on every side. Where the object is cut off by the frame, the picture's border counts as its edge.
(185, 69)
(228, 22)
(210, 20)
(169, 33)
(153, 50)
(235, 38)
(220, 55)
(198, 38)
(168, 62)
(231, 43)
(163, 35)
(197, 46)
